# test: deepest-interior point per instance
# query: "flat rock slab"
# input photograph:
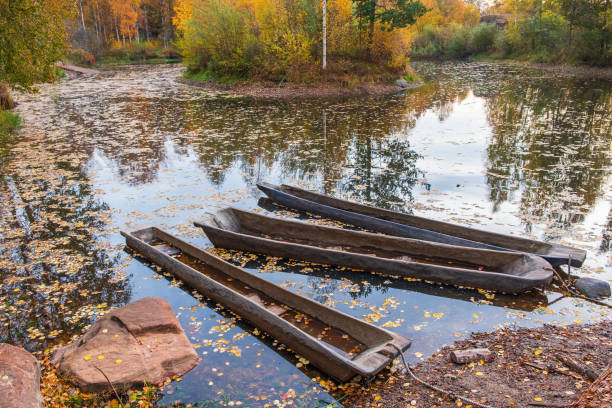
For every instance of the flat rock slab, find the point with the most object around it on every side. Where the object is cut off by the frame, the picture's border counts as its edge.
(19, 378)
(471, 356)
(142, 342)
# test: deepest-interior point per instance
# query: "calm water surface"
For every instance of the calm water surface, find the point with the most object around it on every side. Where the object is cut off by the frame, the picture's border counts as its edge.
(494, 147)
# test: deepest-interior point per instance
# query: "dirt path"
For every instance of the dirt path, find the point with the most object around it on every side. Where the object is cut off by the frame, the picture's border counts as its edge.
(67, 66)
(512, 379)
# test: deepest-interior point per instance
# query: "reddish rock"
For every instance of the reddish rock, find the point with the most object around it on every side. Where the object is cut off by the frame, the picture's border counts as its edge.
(138, 343)
(19, 378)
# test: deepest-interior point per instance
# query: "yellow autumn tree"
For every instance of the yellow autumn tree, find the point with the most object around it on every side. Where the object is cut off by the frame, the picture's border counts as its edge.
(282, 39)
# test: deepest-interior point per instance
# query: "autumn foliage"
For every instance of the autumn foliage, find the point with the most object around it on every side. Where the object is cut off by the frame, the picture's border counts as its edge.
(282, 39)
(109, 27)
(32, 39)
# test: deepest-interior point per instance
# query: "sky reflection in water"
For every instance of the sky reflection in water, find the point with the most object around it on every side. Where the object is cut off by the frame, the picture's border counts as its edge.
(489, 146)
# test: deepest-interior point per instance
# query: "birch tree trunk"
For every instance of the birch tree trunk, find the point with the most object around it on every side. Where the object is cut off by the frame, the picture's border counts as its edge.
(324, 34)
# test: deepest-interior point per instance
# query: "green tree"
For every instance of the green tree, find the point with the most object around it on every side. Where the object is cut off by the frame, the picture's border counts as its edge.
(32, 39)
(393, 14)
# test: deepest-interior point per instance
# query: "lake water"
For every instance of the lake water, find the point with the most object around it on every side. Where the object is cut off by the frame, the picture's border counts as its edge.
(492, 146)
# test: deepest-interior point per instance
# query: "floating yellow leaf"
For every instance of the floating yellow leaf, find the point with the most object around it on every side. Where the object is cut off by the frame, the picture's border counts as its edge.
(538, 399)
(100, 357)
(87, 357)
(479, 373)
(117, 361)
(475, 316)
(418, 354)
(537, 352)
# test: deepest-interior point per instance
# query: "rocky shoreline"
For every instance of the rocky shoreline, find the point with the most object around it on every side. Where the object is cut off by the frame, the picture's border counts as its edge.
(265, 90)
(527, 371)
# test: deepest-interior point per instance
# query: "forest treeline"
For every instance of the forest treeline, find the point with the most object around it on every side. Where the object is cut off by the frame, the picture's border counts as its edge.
(282, 40)
(122, 30)
(562, 31)
(278, 39)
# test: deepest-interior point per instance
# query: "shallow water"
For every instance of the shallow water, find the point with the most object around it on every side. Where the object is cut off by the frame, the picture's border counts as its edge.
(487, 145)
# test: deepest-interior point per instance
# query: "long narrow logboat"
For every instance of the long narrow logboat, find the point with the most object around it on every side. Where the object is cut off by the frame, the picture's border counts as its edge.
(511, 272)
(336, 343)
(411, 226)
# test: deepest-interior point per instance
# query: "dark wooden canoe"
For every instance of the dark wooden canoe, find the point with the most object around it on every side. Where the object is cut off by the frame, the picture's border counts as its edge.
(274, 309)
(411, 226)
(503, 271)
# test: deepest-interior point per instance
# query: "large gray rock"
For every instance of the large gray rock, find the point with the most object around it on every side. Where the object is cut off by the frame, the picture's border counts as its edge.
(402, 83)
(19, 378)
(138, 343)
(593, 288)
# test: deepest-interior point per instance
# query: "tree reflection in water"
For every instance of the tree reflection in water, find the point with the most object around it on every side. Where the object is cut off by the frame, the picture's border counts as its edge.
(550, 143)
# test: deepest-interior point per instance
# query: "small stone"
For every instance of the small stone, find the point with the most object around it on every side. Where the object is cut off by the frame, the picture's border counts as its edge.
(593, 288)
(401, 82)
(471, 356)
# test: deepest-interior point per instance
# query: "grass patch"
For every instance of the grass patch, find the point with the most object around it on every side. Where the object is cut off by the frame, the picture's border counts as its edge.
(138, 53)
(209, 76)
(343, 73)
(10, 123)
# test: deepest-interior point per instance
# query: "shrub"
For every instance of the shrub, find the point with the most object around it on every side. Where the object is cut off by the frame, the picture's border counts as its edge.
(170, 53)
(81, 57)
(458, 41)
(429, 42)
(9, 125)
(281, 39)
(141, 51)
(483, 38)
(6, 102)
(501, 43)
(538, 36)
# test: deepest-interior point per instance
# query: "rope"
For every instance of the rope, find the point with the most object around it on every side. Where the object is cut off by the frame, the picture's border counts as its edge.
(577, 294)
(433, 387)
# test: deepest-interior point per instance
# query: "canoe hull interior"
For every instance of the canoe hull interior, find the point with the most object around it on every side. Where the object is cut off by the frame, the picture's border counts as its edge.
(503, 271)
(391, 222)
(378, 351)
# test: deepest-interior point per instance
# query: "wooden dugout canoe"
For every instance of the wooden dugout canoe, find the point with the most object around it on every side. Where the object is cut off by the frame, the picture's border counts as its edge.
(275, 310)
(511, 272)
(411, 226)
